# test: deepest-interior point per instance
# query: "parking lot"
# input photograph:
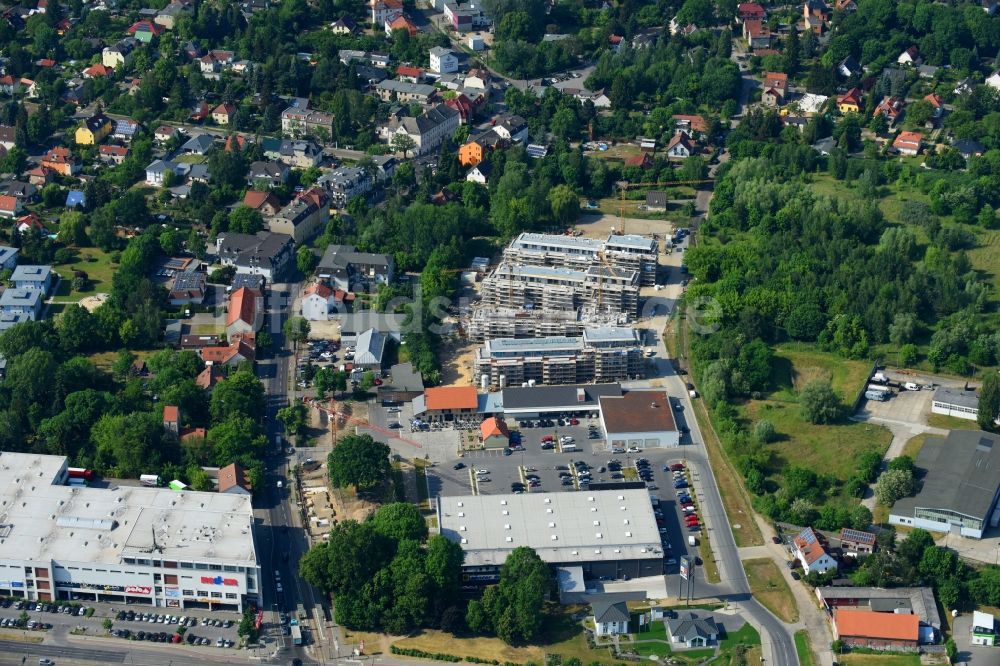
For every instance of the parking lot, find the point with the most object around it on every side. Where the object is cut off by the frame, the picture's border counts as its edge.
(903, 406)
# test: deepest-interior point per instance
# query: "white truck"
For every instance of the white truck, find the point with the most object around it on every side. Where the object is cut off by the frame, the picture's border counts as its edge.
(151, 480)
(692, 540)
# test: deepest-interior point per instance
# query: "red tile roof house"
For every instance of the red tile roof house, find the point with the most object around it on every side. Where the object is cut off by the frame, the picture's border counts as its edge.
(233, 479)
(10, 207)
(891, 108)
(165, 133)
(209, 377)
(409, 73)
(810, 552)
(114, 154)
(750, 10)
(246, 312)
(223, 114)
(96, 70)
(241, 347)
(493, 433)
(400, 23)
(643, 161)
(908, 143)
(876, 631)
(264, 202)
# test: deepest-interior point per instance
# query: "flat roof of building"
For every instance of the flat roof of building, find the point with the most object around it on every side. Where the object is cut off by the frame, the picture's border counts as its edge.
(962, 475)
(632, 241)
(30, 273)
(563, 528)
(578, 243)
(625, 334)
(638, 411)
(957, 397)
(41, 521)
(567, 396)
(555, 343)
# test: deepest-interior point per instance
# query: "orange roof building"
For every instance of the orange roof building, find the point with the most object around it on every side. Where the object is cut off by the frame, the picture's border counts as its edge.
(444, 403)
(876, 631)
(400, 23)
(809, 550)
(850, 101)
(233, 479)
(494, 433)
(244, 315)
(209, 377)
(908, 143)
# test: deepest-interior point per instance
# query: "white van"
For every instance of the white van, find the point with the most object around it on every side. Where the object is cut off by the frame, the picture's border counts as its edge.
(569, 447)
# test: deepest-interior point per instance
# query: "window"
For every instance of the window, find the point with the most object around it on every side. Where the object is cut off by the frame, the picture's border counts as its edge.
(129, 560)
(216, 595)
(230, 567)
(230, 595)
(187, 565)
(202, 593)
(201, 566)
(215, 567)
(187, 593)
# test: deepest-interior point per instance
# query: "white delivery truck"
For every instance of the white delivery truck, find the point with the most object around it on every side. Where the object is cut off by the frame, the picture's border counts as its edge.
(151, 480)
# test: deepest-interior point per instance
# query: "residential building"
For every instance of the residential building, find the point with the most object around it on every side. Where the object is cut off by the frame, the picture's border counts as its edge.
(234, 480)
(8, 257)
(611, 617)
(693, 629)
(620, 538)
(493, 433)
(480, 173)
(750, 10)
(629, 252)
(643, 161)
(776, 87)
(224, 113)
(909, 57)
(757, 34)
(811, 553)
(427, 130)
(409, 73)
(319, 300)
(392, 90)
(656, 202)
(969, 148)
(198, 144)
(187, 287)
(345, 25)
(145, 30)
(446, 403)
(265, 253)
(209, 377)
(680, 145)
(478, 148)
(600, 354)
(937, 102)
(29, 302)
(25, 192)
(693, 125)
(298, 121)
(156, 172)
(10, 207)
(124, 544)
(598, 288)
(960, 485)
(32, 278)
(993, 81)
(856, 542)
(643, 419)
(120, 54)
(345, 183)
(849, 102)
(908, 143)
(267, 174)
(304, 216)
(94, 129)
(849, 67)
(876, 631)
(891, 108)
(347, 269)
(112, 154)
(511, 127)
(956, 402)
(61, 161)
(213, 62)
(264, 203)
(165, 133)
(401, 22)
(383, 11)
(297, 154)
(245, 313)
(464, 18)
(983, 629)
(443, 61)
(353, 324)
(97, 70)
(241, 348)
(167, 17)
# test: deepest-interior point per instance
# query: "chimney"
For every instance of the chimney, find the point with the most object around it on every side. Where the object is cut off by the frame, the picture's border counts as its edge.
(581, 395)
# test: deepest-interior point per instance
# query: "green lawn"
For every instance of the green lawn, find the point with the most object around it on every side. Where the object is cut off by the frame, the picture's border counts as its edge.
(768, 587)
(745, 635)
(191, 159)
(879, 659)
(96, 264)
(802, 648)
(950, 422)
(827, 449)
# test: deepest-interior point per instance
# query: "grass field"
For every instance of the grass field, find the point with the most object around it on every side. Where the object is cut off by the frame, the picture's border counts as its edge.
(98, 267)
(431, 640)
(879, 659)
(950, 422)
(769, 588)
(827, 449)
(802, 648)
(914, 444)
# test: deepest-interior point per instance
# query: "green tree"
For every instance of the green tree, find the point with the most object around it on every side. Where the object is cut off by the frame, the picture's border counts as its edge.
(989, 402)
(242, 393)
(402, 143)
(306, 260)
(515, 603)
(764, 431)
(76, 329)
(565, 205)
(400, 521)
(358, 460)
(444, 566)
(352, 555)
(819, 402)
(245, 220)
(892, 485)
(73, 228)
(296, 330)
(295, 417)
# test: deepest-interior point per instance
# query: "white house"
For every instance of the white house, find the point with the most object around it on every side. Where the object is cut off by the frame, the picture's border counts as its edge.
(810, 552)
(993, 80)
(443, 61)
(680, 145)
(610, 618)
(512, 128)
(319, 300)
(909, 57)
(479, 174)
(691, 630)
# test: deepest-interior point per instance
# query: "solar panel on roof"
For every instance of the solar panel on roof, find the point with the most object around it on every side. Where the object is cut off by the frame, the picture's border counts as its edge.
(808, 536)
(857, 535)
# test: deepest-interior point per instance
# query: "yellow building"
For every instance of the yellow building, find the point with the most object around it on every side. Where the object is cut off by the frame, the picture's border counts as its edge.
(94, 129)
(850, 102)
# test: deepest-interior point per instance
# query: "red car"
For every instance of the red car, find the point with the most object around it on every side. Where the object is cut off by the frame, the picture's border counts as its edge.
(692, 523)
(692, 517)
(574, 421)
(548, 438)
(676, 467)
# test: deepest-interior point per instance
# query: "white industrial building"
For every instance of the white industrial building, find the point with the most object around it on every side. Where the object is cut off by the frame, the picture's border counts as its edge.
(598, 533)
(135, 545)
(644, 419)
(955, 402)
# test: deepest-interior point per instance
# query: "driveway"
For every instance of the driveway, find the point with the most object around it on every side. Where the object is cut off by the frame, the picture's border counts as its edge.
(967, 654)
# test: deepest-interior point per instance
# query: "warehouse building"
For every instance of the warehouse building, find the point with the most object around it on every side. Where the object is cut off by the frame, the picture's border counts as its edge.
(960, 486)
(600, 355)
(639, 418)
(593, 534)
(122, 545)
(955, 402)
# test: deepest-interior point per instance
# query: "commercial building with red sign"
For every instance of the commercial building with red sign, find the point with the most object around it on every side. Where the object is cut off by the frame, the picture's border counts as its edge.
(122, 544)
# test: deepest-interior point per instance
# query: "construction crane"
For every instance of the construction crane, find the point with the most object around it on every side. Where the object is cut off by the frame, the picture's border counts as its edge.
(624, 185)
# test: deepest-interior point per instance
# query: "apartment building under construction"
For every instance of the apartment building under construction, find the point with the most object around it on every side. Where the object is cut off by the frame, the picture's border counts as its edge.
(606, 354)
(603, 288)
(624, 252)
(499, 322)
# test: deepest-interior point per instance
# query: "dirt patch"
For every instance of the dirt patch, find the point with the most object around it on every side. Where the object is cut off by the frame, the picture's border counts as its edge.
(91, 303)
(324, 330)
(599, 226)
(456, 358)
